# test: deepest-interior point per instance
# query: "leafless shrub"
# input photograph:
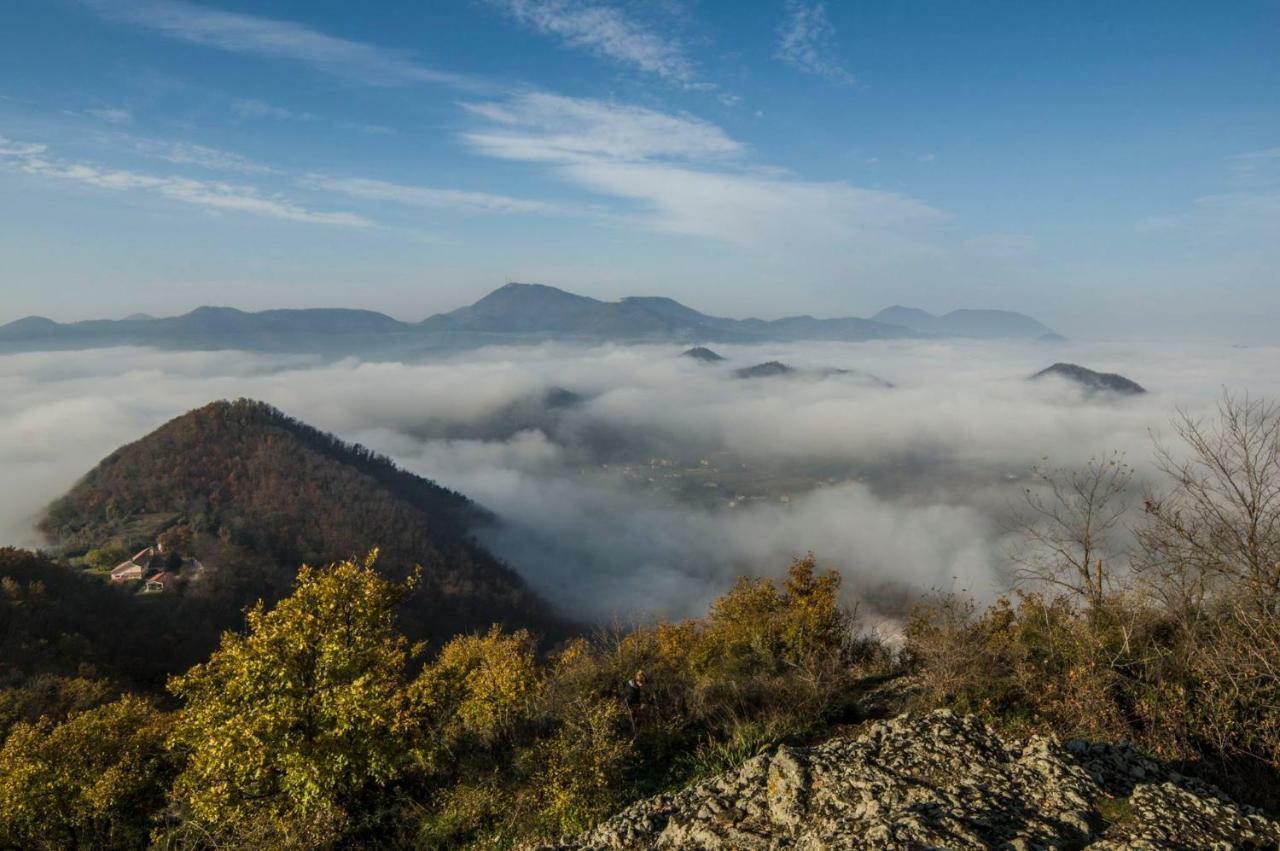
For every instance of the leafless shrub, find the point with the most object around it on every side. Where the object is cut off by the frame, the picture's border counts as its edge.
(1068, 526)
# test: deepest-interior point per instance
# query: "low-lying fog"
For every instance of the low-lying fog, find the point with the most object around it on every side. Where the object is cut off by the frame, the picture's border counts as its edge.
(657, 479)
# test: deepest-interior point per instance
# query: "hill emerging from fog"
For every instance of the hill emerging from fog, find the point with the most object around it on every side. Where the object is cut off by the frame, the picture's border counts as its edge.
(261, 493)
(1090, 381)
(703, 354)
(511, 314)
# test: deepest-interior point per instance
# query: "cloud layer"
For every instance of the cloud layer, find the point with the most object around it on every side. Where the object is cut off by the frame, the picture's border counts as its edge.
(901, 489)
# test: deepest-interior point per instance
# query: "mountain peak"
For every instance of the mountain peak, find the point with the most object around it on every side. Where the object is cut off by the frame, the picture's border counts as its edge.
(768, 369)
(965, 322)
(29, 325)
(209, 310)
(702, 353)
(517, 289)
(896, 314)
(1092, 382)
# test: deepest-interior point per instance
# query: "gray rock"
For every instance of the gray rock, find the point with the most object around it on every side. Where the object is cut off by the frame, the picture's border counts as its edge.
(937, 780)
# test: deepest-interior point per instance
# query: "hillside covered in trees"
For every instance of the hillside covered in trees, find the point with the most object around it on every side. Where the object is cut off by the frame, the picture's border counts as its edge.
(255, 493)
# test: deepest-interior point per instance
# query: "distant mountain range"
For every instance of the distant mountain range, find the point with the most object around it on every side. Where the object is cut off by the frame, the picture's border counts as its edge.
(981, 324)
(513, 313)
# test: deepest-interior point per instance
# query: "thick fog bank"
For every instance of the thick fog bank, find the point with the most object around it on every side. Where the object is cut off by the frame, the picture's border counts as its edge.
(631, 480)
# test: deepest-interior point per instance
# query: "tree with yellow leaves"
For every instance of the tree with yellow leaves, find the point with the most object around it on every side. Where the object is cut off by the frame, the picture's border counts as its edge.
(479, 690)
(95, 780)
(286, 724)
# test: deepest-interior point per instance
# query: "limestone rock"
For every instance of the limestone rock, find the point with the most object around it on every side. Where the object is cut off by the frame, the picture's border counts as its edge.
(937, 780)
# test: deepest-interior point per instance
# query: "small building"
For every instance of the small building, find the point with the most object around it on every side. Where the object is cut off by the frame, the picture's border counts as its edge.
(149, 556)
(161, 582)
(127, 571)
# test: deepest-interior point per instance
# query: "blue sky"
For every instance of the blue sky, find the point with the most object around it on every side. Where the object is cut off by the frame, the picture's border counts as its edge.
(1110, 167)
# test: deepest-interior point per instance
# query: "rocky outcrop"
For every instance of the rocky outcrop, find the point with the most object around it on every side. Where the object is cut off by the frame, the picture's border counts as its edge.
(938, 781)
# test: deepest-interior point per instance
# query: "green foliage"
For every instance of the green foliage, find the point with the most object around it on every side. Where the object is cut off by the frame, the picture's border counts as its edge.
(1033, 661)
(522, 749)
(715, 755)
(1182, 655)
(285, 724)
(479, 690)
(582, 772)
(93, 781)
(1120, 671)
(51, 697)
(105, 558)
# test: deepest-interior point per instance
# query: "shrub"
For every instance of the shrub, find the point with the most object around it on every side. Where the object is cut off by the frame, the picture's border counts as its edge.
(476, 694)
(95, 780)
(283, 725)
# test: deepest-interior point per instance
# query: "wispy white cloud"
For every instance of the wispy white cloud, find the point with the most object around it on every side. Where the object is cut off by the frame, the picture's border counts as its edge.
(251, 109)
(1244, 212)
(112, 116)
(806, 40)
(248, 108)
(1256, 168)
(754, 211)
(554, 128)
(10, 149)
(1158, 224)
(1248, 211)
(607, 31)
(366, 128)
(202, 156)
(1003, 246)
(687, 176)
(429, 196)
(1270, 154)
(276, 39)
(226, 197)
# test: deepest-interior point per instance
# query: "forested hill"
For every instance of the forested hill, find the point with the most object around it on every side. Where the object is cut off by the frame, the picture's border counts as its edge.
(257, 493)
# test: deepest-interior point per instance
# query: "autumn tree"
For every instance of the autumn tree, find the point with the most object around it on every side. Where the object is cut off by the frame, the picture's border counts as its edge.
(287, 722)
(95, 781)
(477, 692)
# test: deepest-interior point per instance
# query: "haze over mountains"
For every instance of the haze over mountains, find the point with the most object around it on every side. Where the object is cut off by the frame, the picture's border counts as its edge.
(515, 312)
(977, 324)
